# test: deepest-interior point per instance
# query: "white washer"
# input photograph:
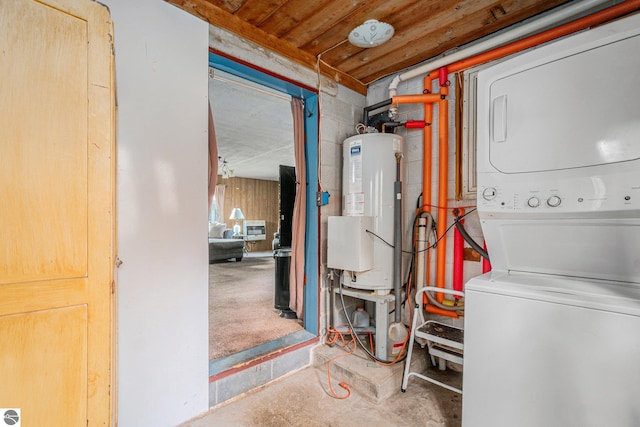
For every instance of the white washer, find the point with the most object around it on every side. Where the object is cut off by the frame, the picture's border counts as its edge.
(551, 351)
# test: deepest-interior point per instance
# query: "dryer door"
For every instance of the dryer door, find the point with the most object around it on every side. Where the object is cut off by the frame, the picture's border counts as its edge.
(571, 104)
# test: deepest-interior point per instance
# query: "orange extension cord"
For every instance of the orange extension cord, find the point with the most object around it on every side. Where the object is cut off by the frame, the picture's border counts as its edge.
(332, 337)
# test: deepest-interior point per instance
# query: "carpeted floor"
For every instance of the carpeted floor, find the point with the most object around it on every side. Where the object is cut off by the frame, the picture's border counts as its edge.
(241, 312)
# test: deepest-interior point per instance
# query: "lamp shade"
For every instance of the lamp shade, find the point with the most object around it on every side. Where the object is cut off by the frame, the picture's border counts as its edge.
(236, 213)
(371, 33)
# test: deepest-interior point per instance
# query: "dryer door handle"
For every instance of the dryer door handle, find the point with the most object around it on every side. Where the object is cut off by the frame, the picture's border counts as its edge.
(499, 119)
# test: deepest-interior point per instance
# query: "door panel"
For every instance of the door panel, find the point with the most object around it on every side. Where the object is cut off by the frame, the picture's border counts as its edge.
(40, 353)
(44, 126)
(22, 297)
(57, 184)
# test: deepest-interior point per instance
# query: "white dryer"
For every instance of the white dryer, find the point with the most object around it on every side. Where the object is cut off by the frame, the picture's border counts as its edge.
(552, 334)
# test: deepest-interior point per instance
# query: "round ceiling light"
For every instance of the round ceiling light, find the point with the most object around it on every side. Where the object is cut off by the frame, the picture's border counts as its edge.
(371, 33)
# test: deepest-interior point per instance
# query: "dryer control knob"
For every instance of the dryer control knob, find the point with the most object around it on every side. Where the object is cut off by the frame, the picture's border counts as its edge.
(489, 193)
(554, 201)
(533, 202)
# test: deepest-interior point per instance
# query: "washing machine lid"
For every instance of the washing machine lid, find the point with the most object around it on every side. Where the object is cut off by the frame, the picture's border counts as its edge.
(619, 297)
(571, 104)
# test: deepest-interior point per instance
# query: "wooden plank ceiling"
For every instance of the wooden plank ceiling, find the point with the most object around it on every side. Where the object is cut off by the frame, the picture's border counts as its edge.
(301, 30)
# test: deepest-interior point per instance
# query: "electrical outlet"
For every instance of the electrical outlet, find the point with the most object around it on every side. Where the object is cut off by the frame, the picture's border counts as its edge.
(322, 198)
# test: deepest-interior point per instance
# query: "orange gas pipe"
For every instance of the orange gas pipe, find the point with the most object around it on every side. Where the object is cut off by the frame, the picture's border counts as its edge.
(413, 99)
(427, 141)
(435, 310)
(537, 39)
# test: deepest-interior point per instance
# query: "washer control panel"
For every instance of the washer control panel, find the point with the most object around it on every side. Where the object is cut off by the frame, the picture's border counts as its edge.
(619, 191)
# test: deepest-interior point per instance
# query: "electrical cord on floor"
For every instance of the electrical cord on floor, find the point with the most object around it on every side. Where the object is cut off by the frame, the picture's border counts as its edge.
(332, 340)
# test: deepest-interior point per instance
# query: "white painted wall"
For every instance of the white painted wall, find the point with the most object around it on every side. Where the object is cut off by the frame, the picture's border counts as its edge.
(161, 69)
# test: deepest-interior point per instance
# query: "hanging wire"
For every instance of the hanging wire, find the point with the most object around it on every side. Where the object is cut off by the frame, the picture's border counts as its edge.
(318, 60)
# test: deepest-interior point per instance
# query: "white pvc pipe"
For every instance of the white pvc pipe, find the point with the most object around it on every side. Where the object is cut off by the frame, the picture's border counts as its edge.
(421, 247)
(499, 40)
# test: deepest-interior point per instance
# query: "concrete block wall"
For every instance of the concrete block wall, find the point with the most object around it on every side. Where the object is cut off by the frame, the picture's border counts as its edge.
(242, 381)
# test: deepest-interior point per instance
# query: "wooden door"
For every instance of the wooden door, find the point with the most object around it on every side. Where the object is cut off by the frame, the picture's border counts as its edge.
(57, 211)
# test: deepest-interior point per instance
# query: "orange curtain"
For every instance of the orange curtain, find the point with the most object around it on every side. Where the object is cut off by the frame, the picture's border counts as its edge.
(213, 160)
(296, 274)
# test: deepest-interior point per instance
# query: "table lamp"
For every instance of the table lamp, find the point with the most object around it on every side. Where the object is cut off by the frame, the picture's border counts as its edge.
(236, 214)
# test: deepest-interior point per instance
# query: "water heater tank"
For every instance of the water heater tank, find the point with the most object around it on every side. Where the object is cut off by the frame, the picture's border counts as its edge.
(369, 173)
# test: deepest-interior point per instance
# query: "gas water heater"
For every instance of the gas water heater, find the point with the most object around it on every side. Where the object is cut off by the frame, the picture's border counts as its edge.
(360, 241)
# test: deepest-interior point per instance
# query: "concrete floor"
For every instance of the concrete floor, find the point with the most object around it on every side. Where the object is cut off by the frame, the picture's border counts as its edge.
(303, 399)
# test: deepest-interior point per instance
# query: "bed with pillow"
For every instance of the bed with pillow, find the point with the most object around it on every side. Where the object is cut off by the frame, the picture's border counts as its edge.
(222, 245)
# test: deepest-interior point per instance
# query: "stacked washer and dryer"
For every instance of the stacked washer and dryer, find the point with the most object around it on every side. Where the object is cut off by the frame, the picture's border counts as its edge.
(552, 334)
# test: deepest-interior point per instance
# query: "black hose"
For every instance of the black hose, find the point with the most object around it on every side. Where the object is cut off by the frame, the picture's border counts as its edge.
(470, 240)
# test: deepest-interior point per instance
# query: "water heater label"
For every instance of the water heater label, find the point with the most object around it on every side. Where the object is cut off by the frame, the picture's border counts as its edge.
(355, 165)
(354, 204)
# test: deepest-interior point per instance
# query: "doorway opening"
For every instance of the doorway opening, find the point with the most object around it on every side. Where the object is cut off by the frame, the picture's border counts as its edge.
(255, 144)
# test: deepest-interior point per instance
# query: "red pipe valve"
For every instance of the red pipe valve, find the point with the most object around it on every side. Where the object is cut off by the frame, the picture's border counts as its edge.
(415, 124)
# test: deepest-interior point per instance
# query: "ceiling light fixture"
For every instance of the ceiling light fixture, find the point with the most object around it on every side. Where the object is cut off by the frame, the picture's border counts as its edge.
(370, 34)
(223, 168)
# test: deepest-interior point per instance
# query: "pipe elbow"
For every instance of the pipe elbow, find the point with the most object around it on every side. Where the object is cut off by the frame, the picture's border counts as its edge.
(393, 86)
